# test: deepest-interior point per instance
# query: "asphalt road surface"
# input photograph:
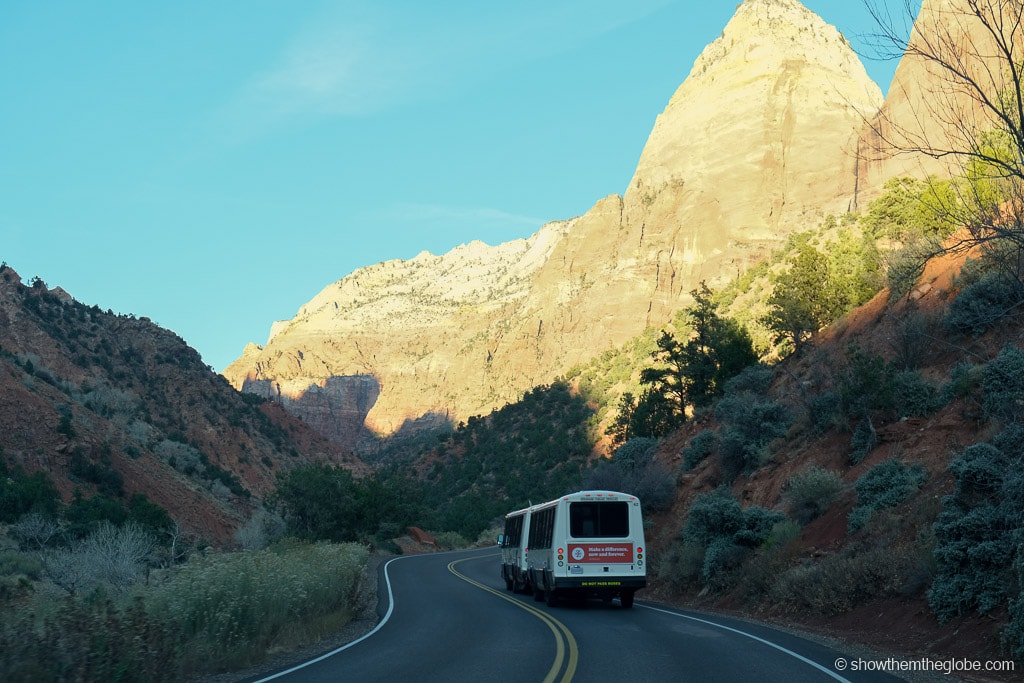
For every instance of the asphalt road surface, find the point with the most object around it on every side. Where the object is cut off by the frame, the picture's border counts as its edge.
(447, 617)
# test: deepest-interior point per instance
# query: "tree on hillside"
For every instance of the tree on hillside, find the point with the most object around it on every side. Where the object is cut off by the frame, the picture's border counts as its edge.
(667, 380)
(717, 350)
(910, 209)
(974, 52)
(804, 299)
(685, 374)
(855, 265)
(650, 414)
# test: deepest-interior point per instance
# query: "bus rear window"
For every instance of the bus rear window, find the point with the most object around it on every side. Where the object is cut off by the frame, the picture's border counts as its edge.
(599, 520)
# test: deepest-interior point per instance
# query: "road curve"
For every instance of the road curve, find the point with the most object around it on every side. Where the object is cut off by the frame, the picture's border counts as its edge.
(447, 617)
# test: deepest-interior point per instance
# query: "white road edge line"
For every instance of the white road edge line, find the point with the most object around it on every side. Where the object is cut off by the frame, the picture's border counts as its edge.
(769, 643)
(387, 615)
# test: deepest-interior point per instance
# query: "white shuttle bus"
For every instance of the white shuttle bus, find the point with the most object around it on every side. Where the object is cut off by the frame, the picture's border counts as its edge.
(589, 543)
(513, 550)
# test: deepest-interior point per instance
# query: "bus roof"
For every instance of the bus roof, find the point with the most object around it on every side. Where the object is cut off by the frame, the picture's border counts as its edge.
(588, 496)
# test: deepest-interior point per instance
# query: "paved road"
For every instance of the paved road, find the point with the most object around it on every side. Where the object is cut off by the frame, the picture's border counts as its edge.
(447, 617)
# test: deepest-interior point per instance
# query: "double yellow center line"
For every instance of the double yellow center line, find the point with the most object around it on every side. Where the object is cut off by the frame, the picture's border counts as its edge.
(564, 642)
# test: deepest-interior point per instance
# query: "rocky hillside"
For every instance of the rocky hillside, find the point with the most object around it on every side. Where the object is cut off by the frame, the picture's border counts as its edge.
(753, 145)
(830, 577)
(115, 403)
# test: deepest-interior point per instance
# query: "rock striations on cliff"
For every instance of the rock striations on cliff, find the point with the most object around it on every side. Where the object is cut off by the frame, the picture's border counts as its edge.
(767, 108)
(930, 114)
(752, 146)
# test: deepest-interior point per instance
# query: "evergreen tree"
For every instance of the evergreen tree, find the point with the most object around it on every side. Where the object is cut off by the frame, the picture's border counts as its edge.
(665, 382)
(804, 299)
(690, 374)
(718, 349)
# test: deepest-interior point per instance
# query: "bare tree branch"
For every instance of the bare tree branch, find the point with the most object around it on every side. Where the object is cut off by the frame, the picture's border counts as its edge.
(968, 112)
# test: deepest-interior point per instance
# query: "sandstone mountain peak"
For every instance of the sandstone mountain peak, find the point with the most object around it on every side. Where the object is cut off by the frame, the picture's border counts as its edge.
(760, 24)
(773, 60)
(752, 146)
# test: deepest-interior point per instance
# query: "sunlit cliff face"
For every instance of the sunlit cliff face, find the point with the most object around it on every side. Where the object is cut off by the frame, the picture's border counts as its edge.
(751, 147)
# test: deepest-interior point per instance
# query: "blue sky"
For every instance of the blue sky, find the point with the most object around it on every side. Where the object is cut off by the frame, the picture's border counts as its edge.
(214, 165)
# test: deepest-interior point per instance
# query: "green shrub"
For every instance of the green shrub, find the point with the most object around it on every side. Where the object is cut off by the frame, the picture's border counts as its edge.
(963, 379)
(1002, 385)
(811, 491)
(837, 583)
(722, 556)
(980, 472)
(14, 563)
(18, 571)
(756, 379)
(766, 564)
(912, 395)
(681, 564)
(824, 411)
(750, 424)
(911, 340)
(978, 532)
(212, 614)
(108, 481)
(870, 383)
(147, 513)
(88, 641)
(910, 208)
(712, 515)
(865, 383)
(450, 540)
(701, 446)
(972, 562)
(233, 606)
(983, 303)
(1011, 441)
(887, 484)
(636, 450)
(22, 493)
(782, 534)
(726, 532)
(758, 525)
(85, 514)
